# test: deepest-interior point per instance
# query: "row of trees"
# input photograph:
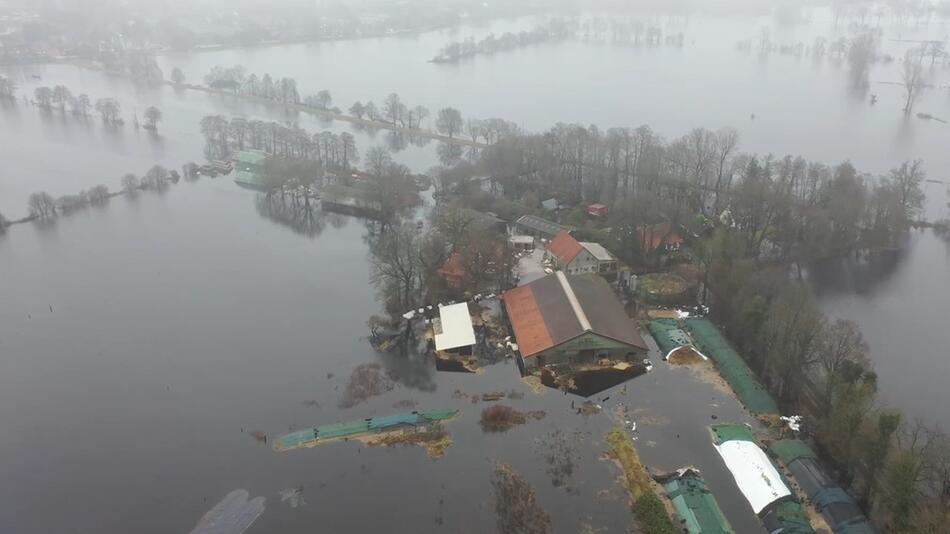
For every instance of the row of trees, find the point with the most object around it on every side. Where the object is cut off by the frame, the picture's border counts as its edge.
(332, 151)
(109, 109)
(236, 80)
(900, 469)
(393, 111)
(43, 206)
(787, 207)
(554, 30)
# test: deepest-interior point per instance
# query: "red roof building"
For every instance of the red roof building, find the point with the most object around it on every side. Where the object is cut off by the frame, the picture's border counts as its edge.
(598, 210)
(564, 248)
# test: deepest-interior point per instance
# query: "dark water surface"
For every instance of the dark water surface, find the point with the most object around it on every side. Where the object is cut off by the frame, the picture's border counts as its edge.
(180, 319)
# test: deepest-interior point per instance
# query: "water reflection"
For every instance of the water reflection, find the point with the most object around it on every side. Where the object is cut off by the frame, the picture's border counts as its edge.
(863, 274)
(300, 215)
(449, 153)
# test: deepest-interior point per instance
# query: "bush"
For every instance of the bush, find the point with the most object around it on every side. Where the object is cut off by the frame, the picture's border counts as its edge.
(651, 515)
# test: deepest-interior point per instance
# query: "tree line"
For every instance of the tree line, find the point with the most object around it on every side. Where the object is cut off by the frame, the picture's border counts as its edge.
(44, 206)
(392, 112)
(749, 220)
(551, 31)
(60, 98)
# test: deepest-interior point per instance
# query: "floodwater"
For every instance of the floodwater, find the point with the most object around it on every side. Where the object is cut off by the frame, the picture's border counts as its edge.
(142, 343)
(145, 341)
(901, 301)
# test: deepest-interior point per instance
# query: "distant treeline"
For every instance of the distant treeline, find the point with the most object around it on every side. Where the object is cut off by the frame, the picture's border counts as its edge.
(554, 30)
(61, 98)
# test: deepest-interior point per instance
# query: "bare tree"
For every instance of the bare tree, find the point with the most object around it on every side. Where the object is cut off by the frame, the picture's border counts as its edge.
(130, 183)
(43, 96)
(178, 77)
(42, 205)
(8, 87)
(108, 109)
(155, 178)
(913, 77)
(324, 99)
(449, 122)
(153, 116)
(61, 95)
(908, 179)
(394, 109)
(357, 110)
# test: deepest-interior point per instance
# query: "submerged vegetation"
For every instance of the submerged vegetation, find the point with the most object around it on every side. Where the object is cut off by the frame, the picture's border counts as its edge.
(652, 516)
(501, 417)
(516, 504)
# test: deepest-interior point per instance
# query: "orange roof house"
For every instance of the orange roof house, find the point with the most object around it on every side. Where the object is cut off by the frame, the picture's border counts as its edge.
(565, 248)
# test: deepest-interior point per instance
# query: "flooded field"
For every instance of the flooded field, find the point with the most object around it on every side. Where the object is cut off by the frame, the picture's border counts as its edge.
(151, 349)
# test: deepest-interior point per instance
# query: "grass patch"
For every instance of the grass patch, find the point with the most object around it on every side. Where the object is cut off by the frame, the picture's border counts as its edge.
(648, 509)
(663, 288)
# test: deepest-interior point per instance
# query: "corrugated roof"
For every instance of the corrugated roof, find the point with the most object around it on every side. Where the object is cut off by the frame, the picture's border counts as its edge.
(598, 251)
(540, 225)
(564, 247)
(455, 327)
(559, 307)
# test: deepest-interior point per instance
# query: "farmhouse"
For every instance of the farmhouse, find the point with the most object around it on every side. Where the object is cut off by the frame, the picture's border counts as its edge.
(574, 257)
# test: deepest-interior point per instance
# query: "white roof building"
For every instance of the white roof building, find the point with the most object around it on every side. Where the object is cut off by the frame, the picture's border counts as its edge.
(597, 251)
(453, 328)
(755, 475)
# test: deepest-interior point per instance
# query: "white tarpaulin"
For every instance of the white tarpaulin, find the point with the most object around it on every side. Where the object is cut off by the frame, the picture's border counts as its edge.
(755, 475)
(456, 327)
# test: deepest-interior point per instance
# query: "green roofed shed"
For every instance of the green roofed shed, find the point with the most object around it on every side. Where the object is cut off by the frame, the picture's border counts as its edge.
(695, 505)
(732, 367)
(790, 450)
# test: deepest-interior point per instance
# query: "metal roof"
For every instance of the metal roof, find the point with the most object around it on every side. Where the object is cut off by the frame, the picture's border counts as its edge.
(598, 251)
(538, 224)
(521, 239)
(560, 307)
(454, 328)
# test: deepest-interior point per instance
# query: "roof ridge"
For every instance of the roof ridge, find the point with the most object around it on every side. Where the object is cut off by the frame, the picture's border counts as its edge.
(575, 304)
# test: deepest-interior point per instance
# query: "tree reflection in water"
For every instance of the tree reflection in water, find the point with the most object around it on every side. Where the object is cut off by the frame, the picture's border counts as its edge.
(300, 214)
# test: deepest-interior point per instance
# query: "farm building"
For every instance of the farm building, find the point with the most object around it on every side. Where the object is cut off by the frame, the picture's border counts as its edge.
(569, 324)
(538, 227)
(575, 257)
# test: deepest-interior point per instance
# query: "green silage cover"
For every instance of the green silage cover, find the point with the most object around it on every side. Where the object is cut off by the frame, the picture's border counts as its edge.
(789, 450)
(726, 432)
(697, 507)
(793, 518)
(732, 367)
(668, 334)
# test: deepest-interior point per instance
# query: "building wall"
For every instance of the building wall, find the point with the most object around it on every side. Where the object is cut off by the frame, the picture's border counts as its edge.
(583, 263)
(586, 348)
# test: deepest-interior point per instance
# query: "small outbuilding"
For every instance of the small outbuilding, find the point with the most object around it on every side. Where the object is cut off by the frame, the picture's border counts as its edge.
(454, 338)
(538, 227)
(598, 210)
